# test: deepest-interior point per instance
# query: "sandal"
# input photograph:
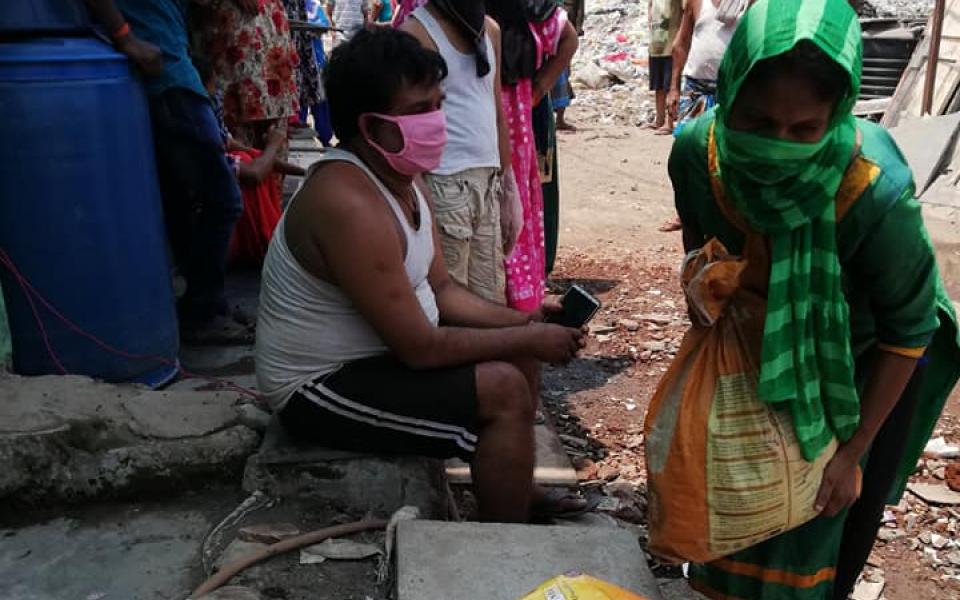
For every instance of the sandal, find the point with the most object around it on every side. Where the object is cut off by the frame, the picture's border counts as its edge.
(551, 503)
(671, 225)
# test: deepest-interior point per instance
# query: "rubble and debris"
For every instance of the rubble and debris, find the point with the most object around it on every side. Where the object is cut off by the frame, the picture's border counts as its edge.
(610, 73)
(901, 9)
(939, 448)
(952, 476)
(868, 590)
(935, 493)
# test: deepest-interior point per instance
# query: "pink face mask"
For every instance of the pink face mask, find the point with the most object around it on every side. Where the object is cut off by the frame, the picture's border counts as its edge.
(424, 137)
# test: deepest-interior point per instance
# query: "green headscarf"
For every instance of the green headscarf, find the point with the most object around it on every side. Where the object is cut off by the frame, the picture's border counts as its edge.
(787, 191)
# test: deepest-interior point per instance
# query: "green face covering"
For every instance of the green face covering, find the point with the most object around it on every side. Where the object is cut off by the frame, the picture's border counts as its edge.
(787, 190)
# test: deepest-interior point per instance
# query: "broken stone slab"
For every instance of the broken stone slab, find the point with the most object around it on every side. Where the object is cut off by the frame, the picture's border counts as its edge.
(351, 481)
(467, 561)
(338, 549)
(184, 414)
(887, 534)
(868, 590)
(935, 493)
(939, 448)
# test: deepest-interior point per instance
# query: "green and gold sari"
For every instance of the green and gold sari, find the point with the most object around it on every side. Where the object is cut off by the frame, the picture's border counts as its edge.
(850, 270)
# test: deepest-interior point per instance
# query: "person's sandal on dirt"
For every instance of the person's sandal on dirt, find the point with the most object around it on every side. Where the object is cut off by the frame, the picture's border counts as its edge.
(559, 503)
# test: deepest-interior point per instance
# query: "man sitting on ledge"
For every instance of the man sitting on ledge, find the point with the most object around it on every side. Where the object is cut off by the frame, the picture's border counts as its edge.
(364, 342)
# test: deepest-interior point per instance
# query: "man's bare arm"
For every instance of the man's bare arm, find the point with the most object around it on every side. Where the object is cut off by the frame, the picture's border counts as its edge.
(144, 55)
(503, 132)
(679, 53)
(461, 307)
(373, 276)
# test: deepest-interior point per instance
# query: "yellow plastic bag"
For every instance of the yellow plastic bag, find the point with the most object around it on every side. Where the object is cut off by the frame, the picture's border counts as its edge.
(575, 586)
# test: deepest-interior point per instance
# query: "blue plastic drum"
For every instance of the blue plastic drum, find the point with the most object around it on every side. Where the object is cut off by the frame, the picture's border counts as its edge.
(29, 16)
(80, 215)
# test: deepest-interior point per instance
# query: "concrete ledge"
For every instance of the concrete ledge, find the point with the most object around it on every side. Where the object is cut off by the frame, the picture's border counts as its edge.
(348, 480)
(71, 439)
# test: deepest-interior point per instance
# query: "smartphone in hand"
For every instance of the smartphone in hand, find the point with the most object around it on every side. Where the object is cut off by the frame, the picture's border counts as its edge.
(579, 306)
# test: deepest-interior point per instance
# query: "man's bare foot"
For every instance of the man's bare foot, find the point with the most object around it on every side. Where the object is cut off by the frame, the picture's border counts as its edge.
(672, 225)
(558, 503)
(663, 130)
(563, 125)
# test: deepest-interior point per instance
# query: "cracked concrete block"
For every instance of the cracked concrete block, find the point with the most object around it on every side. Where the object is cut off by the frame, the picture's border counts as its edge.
(354, 481)
(494, 561)
(47, 469)
(72, 438)
(172, 415)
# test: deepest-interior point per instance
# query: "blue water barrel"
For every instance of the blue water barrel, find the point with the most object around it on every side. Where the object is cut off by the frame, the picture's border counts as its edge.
(80, 213)
(43, 15)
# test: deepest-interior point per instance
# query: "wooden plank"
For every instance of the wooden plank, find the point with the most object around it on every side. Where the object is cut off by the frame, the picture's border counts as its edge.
(552, 468)
(908, 98)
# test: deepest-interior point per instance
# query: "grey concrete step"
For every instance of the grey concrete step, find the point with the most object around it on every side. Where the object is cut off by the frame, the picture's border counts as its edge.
(72, 439)
(353, 481)
(467, 561)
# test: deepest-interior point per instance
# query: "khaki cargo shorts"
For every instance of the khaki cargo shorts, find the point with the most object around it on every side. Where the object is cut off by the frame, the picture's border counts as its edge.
(467, 207)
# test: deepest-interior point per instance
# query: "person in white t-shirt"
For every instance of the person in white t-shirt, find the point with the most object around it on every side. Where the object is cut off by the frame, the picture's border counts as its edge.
(474, 192)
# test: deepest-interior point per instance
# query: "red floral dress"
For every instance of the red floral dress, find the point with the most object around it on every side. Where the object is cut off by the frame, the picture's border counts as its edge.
(254, 58)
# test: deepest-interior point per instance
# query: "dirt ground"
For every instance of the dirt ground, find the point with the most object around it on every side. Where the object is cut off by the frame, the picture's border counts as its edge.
(615, 193)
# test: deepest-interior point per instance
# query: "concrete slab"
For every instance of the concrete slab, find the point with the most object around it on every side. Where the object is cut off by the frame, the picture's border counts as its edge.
(467, 561)
(679, 589)
(72, 438)
(553, 466)
(184, 414)
(226, 383)
(352, 481)
(124, 551)
(928, 145)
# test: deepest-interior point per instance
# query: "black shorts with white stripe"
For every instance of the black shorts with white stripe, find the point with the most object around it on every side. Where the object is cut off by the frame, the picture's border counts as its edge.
(378, 405)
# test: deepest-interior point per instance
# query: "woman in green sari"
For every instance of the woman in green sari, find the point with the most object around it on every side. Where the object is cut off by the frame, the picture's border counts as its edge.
(860, 341)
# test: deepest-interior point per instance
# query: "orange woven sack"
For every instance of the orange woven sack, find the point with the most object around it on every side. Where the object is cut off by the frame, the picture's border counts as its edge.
(725, 470)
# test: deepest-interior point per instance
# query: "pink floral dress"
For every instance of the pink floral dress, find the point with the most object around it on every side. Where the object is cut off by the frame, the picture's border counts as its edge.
(404, 8)
(254, 59)
(526, 267)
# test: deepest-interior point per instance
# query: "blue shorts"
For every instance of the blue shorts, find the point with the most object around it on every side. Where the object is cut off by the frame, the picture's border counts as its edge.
(661, 71)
